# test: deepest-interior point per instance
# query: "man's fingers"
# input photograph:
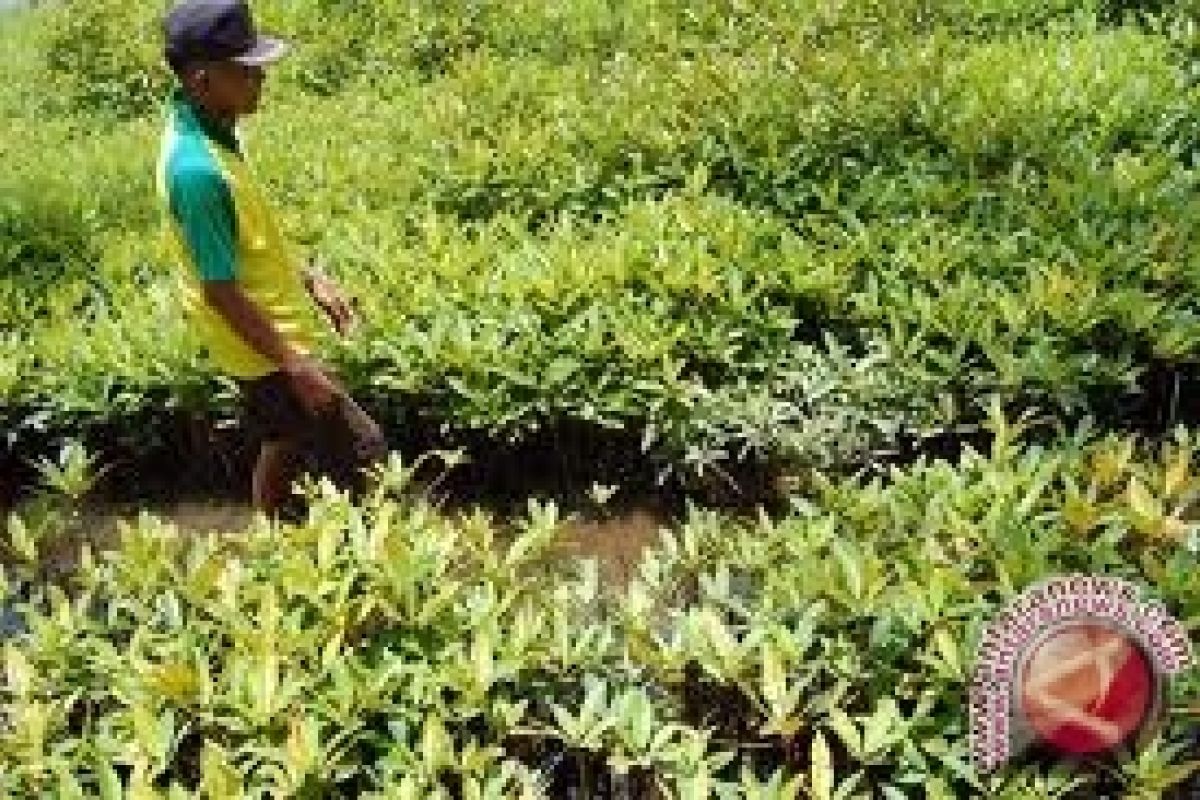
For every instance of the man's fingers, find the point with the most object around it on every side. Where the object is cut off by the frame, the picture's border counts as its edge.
(337, 312)
(345, 316)
(341, 317)
(336, 306)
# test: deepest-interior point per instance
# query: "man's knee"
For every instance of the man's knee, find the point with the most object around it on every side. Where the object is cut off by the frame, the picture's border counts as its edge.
(371, 450)
(360, 445)
(369, 444)
(273, 472)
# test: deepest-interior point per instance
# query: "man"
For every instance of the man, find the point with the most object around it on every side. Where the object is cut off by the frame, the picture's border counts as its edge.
(241, 290)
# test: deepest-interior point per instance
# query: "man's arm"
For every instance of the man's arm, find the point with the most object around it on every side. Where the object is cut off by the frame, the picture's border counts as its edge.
(315, 389)
(248, 321)
(203, 207)
(329, 297)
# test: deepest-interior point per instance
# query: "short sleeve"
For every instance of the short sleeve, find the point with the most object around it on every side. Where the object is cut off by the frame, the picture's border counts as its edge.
(202, 205)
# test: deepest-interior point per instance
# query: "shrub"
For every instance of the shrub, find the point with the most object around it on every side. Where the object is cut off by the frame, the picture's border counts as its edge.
(105, 56)
(387, 651)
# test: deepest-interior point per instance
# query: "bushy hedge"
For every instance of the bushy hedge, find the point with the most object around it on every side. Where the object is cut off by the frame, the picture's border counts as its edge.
(712, 233)
(104, 56)
(388, 651)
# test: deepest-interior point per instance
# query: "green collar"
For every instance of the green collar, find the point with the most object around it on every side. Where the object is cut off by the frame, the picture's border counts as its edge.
(193, 117)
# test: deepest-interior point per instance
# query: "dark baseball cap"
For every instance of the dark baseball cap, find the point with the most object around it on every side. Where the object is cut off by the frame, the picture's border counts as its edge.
(217, 30)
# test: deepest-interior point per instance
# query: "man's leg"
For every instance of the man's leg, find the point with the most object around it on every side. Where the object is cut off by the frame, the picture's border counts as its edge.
(273, 475)
(343, 440)
(275, 418)
(351, 443)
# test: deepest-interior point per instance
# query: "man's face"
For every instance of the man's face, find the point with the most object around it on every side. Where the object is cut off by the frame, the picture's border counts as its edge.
(227, 88)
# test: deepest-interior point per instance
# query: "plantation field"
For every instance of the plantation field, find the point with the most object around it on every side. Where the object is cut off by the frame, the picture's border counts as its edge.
(783, 231)
(917, 278)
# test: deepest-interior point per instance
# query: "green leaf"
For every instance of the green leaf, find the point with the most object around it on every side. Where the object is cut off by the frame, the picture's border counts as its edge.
(68, 786)
(218, 778)
(22, 541)
(559, 369)
(437, 748)
(1142, 502)
(820, 770)
(302, 749)
(850, 561)
(18, 672)
(879, 728)
(947, 648)
(844, 727)
(482, 659)
(110, 784)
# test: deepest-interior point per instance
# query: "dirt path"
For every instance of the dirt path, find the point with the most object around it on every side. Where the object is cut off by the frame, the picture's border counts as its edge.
(615, 541)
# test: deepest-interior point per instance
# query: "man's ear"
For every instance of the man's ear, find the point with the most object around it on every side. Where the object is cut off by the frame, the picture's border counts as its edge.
(196, 78)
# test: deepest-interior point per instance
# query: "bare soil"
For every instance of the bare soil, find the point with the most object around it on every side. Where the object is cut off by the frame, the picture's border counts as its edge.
(616, 540)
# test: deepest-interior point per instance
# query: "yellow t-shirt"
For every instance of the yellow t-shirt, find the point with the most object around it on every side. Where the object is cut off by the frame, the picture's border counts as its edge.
(219, 228)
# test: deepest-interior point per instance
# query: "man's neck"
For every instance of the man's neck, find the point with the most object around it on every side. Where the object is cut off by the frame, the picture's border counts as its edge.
(223, 120)
(220, 127)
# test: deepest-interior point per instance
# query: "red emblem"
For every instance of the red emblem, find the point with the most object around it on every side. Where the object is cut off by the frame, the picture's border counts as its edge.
(1086, 688)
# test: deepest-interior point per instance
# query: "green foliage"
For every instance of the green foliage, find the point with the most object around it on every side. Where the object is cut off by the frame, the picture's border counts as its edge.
(718, 235)
(383, 646)
(59, 216)
(42, 237)
(105, 56)
(792, 231)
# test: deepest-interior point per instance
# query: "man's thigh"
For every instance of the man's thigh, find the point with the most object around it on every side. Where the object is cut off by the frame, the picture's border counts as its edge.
(347, 442)
(273, 412)
(342, 439)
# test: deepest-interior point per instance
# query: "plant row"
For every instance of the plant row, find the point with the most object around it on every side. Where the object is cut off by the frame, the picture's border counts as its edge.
(765, 248)
(386, 650)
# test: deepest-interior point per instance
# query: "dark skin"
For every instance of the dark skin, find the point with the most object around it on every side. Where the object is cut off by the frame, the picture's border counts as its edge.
(226, 91)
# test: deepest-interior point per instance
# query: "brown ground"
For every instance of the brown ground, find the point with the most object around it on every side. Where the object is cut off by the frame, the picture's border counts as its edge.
(615, 541)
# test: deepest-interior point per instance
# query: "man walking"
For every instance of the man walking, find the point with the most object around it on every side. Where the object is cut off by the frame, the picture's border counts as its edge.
(245, 297)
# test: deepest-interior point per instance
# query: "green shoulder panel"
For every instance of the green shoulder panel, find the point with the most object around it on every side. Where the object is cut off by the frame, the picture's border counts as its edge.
(201, 203)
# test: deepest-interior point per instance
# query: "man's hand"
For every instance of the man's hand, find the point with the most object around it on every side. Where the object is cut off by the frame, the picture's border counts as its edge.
(329, 298)
(314, 387)
(315, 390)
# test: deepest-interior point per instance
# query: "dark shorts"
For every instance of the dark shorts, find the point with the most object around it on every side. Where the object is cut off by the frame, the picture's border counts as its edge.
(340, 442)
